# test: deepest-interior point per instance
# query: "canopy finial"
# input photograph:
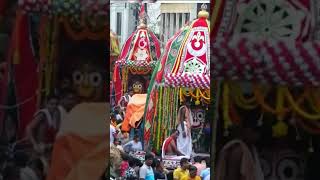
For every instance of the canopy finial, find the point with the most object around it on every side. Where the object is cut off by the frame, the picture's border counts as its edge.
(142, 17)
(203, 13)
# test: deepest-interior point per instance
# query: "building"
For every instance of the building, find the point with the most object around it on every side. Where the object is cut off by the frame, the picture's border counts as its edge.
(123, 19)
(165, 17)
(172, 15)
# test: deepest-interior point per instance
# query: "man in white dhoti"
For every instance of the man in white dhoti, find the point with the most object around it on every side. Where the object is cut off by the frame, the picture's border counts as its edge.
(184, 141)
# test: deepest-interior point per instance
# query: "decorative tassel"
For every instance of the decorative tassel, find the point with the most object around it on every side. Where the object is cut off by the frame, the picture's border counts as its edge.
(260, 121)
(280, 129)
(294, 124)
(16, 55)
(311, 149)
(226, 133)
(197, 102)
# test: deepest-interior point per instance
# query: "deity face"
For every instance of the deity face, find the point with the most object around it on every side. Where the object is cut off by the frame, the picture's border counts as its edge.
(137, 87)
(198, 115)
(88, 82)
(282, 164)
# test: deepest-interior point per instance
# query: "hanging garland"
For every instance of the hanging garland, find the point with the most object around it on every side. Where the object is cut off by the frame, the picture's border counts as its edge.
(285, 103)
(203, 94)
(314, 100)
(124, 77)
(264, 105)
(85, 32)
(225, 104)
(296, 108)
(307, 128)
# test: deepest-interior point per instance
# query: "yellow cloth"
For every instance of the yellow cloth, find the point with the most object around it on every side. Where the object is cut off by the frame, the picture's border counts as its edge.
(189, 178)
(81, 148)
(179, 173)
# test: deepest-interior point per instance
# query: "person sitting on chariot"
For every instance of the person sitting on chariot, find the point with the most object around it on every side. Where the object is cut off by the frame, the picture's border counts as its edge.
(134, 145)
(124, 100)
(170, 144)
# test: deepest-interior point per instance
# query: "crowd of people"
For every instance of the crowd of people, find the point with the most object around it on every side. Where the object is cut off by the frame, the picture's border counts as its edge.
(178, 144)
(30, 157)
(153, 168)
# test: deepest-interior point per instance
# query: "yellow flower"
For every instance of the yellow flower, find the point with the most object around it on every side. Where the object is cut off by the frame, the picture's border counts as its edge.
(280, 129)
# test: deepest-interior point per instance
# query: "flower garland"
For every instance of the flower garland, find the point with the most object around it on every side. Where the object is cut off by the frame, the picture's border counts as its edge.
(296, 108)
(240, 100)
(280, 102)
(285, 103)
(188, 92)
(314, 100)
(307, 128)
(124, 79)
(85, 33)
(225, 98)
(263, 104)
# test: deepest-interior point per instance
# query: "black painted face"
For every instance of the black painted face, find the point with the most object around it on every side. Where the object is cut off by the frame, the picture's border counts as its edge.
(88, 82)
(282, 165)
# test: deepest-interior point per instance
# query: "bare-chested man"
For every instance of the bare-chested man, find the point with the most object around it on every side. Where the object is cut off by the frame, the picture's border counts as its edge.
(170, 145)
(44, 127)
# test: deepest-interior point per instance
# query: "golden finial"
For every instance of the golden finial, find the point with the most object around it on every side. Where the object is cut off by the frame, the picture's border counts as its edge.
(142, 25)
(203, 13)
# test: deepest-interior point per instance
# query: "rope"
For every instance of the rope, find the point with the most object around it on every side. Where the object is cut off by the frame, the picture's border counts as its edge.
(21, 103)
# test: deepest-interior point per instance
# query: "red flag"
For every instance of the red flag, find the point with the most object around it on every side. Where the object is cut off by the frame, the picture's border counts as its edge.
(142, 11)
(25, 74)
(117, 83)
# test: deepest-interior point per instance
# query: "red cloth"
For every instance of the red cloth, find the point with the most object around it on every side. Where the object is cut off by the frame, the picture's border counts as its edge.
(3, 4)
(167, 143)
(25, 73)
(117, 83)
(26, 76)
(50, 134)
(142, 11)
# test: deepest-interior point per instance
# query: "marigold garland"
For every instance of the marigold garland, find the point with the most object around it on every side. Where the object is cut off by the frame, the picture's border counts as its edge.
(280, 103)
(310, 129)
(205, 96)
(242, 104)
(226, 117)
(285, 103)
(237, 91)
(297, 109)
(85, 33)
(314, 100)
(264, 105)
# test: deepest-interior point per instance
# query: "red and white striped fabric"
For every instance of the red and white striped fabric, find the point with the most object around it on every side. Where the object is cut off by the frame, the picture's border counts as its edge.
(201, 81)
(279, 62)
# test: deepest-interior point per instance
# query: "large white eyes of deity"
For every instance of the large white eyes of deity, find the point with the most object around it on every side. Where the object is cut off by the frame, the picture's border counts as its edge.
(77, 77)
(93, 79)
